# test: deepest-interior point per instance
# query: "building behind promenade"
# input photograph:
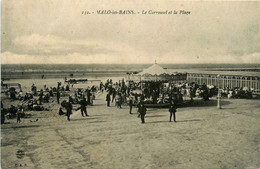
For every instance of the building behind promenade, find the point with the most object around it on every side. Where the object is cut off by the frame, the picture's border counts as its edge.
(226, 78)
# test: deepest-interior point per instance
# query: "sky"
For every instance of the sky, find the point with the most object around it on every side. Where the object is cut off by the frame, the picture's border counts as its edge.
(56, 32)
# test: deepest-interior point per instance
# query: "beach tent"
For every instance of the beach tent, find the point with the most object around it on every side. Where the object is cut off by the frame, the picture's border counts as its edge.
(156, 73)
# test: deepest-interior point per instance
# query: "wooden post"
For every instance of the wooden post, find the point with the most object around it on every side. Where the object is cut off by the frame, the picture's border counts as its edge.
(219, 93)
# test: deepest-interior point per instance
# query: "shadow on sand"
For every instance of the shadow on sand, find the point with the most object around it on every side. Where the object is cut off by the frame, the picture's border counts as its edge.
(188, 120)
(176, 121)
(156, 109)
(158, 122)
(155, 116)
(83, 118)
(97, 115)
(27, 126)
(95, 105)
(225, 108)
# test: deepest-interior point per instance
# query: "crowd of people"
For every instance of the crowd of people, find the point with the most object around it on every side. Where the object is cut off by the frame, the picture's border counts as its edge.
(121, 93)
(154, 92)
(238, 93)
(34, 100)
(140, 94)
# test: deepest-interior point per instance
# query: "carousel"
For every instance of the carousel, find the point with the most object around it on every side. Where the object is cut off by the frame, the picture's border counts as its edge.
(154, 85)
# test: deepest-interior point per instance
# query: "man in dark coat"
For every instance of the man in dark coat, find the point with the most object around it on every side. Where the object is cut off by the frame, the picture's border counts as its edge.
(120, 101)
(172, 110)
(41, 96)
(142, 111)
(130, 104)
(69, 110)
(113, 94)
(83, 104)
(58, 97)
(108, 99)
(88, 95)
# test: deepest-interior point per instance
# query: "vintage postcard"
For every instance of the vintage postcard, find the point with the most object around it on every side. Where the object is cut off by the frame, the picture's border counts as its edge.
(130, 84)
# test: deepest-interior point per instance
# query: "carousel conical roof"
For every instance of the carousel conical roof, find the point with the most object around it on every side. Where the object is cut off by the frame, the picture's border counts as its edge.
(155, 69)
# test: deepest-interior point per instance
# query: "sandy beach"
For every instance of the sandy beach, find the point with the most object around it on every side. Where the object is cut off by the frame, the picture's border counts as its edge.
(203, 137)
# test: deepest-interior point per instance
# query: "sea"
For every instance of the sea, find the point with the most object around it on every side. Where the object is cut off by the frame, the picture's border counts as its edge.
(39, 71)
(50, 74)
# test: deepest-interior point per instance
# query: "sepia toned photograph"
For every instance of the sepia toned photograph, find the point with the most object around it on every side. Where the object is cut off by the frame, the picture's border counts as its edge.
(130, 84)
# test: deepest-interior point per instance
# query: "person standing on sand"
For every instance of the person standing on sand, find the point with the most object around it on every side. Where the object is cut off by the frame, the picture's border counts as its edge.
(83, 104)
(130, 104)
(113, 94)
(59, 84)
(88, 95)
(118, 100)
(108, 99)
(34, 89)
(58, 97)
(142, 111)
(41, 96)
(19, 114)
(69, 110)
(172, 110)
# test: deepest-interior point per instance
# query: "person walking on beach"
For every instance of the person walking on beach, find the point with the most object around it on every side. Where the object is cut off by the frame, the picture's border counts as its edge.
(69, 110)
(83, 104)
(58, 97)
(172, 110)
(142, 111)
(130, 104)
(108, 99)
